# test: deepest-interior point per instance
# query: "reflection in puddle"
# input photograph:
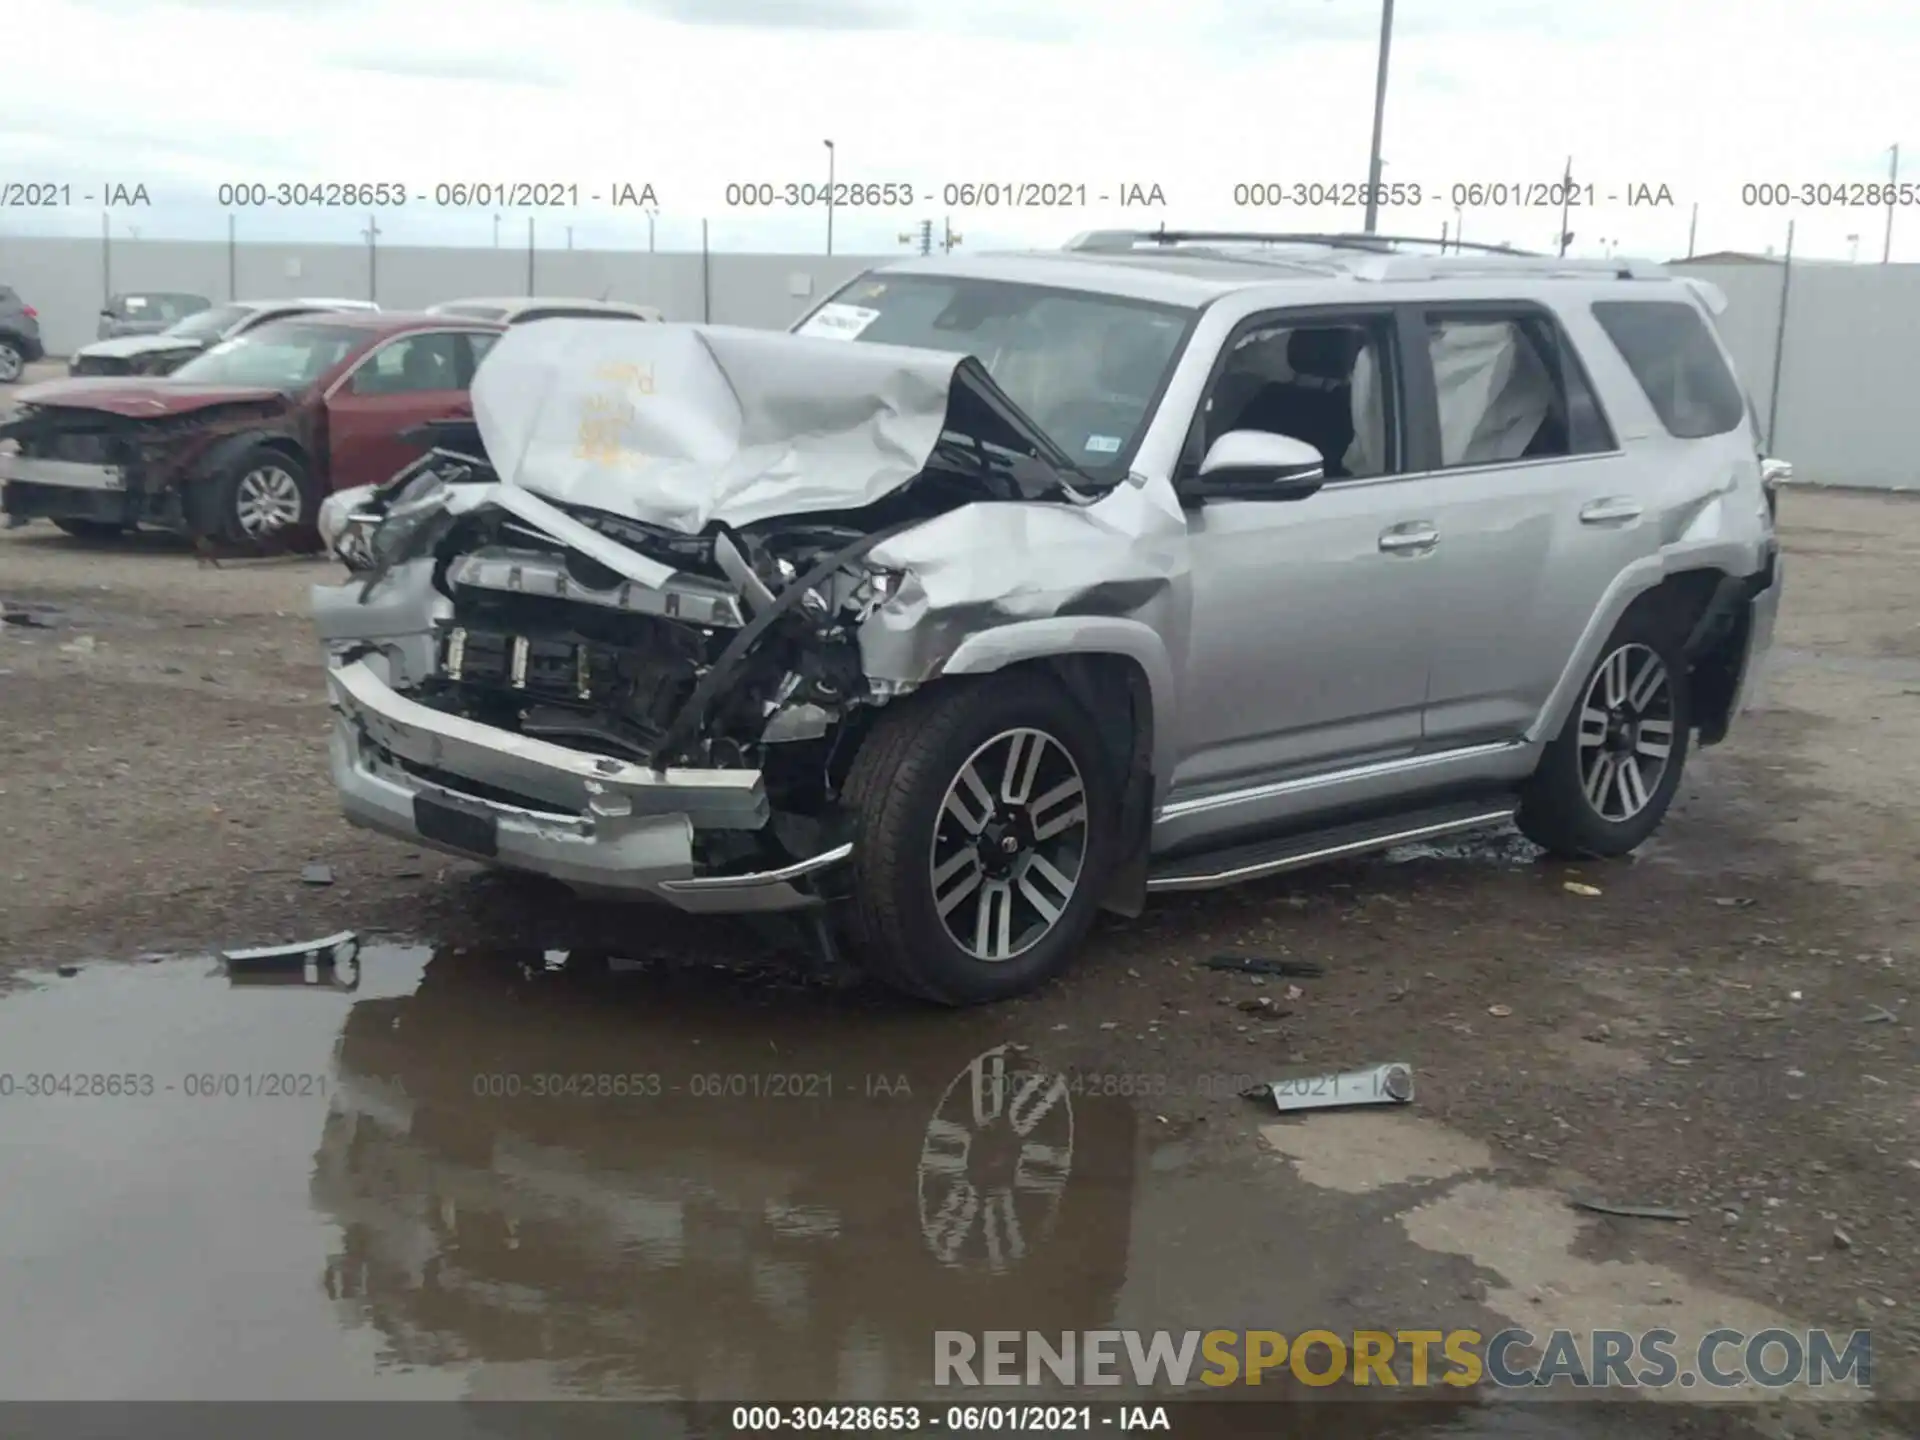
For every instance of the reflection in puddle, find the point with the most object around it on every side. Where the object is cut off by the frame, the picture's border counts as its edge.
(540, 1175)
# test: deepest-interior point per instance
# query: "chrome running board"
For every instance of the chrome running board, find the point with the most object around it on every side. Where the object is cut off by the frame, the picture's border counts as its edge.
(1261, 858)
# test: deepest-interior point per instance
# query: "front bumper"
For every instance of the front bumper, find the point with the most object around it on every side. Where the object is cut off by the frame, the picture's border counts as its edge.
(599, 825)
(37, 489)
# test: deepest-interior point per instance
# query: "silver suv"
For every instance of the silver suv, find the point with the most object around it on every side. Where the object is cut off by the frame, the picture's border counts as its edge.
(1005, 589)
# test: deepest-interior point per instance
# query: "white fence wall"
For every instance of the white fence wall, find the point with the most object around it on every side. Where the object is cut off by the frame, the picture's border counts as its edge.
(1848, 363)
(67, 279)
(1846, 383)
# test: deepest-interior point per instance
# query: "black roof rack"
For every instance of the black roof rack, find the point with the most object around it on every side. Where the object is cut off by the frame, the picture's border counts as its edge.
(1116, 241)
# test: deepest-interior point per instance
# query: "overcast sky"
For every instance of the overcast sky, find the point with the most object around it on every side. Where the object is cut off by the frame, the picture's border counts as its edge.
(1192, 96)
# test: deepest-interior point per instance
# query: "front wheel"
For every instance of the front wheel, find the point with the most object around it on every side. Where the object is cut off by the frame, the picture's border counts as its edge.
(1605, 782)
(264, 499)
(986, 811)
(13, 361)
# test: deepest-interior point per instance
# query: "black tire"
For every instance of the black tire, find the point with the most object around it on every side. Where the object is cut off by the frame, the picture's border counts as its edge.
(1556, 810)
(13, 360)
(92, 529)
(897, 791)
(225, 519)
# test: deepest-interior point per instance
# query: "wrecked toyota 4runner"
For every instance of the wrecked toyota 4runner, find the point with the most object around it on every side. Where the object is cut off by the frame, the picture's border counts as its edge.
(1071, 578)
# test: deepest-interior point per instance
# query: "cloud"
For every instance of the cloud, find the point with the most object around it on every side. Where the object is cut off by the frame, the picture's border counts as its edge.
(468, 69)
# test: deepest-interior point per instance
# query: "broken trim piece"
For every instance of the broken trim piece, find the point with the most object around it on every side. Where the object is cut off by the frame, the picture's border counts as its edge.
(710, 685)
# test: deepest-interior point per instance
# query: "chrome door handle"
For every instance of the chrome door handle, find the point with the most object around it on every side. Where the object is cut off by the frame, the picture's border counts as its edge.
(1415, 538)
(1614, 507)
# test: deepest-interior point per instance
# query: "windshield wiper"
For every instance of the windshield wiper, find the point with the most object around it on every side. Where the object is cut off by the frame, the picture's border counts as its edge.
(1033, 477)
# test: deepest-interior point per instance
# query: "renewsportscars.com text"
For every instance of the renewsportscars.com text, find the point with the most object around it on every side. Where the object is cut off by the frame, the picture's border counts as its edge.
(1510, 1359)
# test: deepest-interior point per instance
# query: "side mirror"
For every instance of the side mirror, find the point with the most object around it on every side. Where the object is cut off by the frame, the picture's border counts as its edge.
(108, 315)
(1257, 465)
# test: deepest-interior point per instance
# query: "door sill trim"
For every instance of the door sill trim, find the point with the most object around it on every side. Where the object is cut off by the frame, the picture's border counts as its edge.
(1305, 784)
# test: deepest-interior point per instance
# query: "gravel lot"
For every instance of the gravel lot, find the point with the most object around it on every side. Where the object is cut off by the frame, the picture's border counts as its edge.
(1728, 1027)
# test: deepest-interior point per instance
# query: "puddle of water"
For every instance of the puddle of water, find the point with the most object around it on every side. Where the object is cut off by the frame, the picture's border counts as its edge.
(539, 1175)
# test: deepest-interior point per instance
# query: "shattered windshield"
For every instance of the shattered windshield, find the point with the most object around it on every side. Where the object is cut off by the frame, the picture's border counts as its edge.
(1085, 368)
(208, 324)
(279, 357)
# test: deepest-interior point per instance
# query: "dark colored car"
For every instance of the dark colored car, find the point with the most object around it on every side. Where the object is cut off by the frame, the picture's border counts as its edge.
(19, 335)
(147, 312)
(166, 350)
(241, 444)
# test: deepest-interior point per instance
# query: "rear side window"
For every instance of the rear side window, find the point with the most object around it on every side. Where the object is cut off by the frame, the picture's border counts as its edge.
(1672, 354)
(1509, 388)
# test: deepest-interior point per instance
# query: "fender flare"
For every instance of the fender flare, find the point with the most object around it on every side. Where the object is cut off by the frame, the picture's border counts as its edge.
(1057, 635)
(196, 483)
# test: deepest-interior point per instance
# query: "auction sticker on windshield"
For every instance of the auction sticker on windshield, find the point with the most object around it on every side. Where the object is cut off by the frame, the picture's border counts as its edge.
(835, 321)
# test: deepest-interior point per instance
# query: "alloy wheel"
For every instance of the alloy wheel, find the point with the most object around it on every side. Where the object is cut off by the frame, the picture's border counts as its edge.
(12, 362)
(266, 500)
(1009, 845)
(1626, 732)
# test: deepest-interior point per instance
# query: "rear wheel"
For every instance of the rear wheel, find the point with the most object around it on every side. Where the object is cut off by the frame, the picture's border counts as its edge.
(92, 529)
(985, 810)
(1605, 782)
(13, 360)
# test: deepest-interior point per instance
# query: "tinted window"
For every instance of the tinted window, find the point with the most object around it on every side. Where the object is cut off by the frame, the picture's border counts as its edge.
(1326, 384)
(563, 314)
(1085, 368)
(1672, 354)
(434, 360)
(1509, 388)
(209, 323)
(287, 356)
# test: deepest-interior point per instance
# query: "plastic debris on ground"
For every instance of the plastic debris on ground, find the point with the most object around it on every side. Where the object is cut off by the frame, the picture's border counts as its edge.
(1389, 1084)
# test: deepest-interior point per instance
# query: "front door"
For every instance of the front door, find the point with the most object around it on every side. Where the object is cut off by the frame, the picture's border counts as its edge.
(399, 384)
(1310, 625)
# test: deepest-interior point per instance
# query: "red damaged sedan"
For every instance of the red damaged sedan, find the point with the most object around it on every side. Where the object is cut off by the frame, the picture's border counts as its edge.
(241, 444)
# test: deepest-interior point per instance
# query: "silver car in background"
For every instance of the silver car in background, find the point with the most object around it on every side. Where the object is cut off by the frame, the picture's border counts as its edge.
(1005, 589)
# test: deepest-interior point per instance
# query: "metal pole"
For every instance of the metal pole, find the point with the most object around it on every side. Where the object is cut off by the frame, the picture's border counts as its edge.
(233, 259)
(1566, 201)
(530, 289)
(830, 160)
(1780, 338)
(1893, 183)
(706, 276)
(1693, 226)
(1459, 227)
(1379, 118)
(1443, 237)
(650, 218)
(373, 257)
(106, 261)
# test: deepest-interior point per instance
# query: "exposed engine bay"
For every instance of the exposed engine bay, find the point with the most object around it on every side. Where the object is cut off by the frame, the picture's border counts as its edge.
(711, 643)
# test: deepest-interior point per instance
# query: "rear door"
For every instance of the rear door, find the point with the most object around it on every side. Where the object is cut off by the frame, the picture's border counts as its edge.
(422, 375)
(1537, 506)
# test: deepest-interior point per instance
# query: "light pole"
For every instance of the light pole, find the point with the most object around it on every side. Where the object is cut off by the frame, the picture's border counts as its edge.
(1853, 248)
(1379, 117)
(652, 215)
(1893, 184)
(1459, 226)
(496, 232)
(830, 159)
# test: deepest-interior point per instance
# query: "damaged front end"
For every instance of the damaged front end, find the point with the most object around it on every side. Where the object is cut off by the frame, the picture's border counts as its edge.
(120, 459)
(621, 636)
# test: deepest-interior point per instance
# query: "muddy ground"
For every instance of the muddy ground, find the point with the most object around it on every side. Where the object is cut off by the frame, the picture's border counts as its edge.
(1727, 1028)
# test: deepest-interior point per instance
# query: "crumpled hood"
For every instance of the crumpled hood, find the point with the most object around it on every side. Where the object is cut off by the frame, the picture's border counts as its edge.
(680, 425)
(138, 398)
(128, 347)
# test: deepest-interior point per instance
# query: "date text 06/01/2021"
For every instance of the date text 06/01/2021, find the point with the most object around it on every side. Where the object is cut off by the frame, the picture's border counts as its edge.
(953, 1419)
(455, 194)
(134, 1084)
(1465, 195)
(950, 195)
